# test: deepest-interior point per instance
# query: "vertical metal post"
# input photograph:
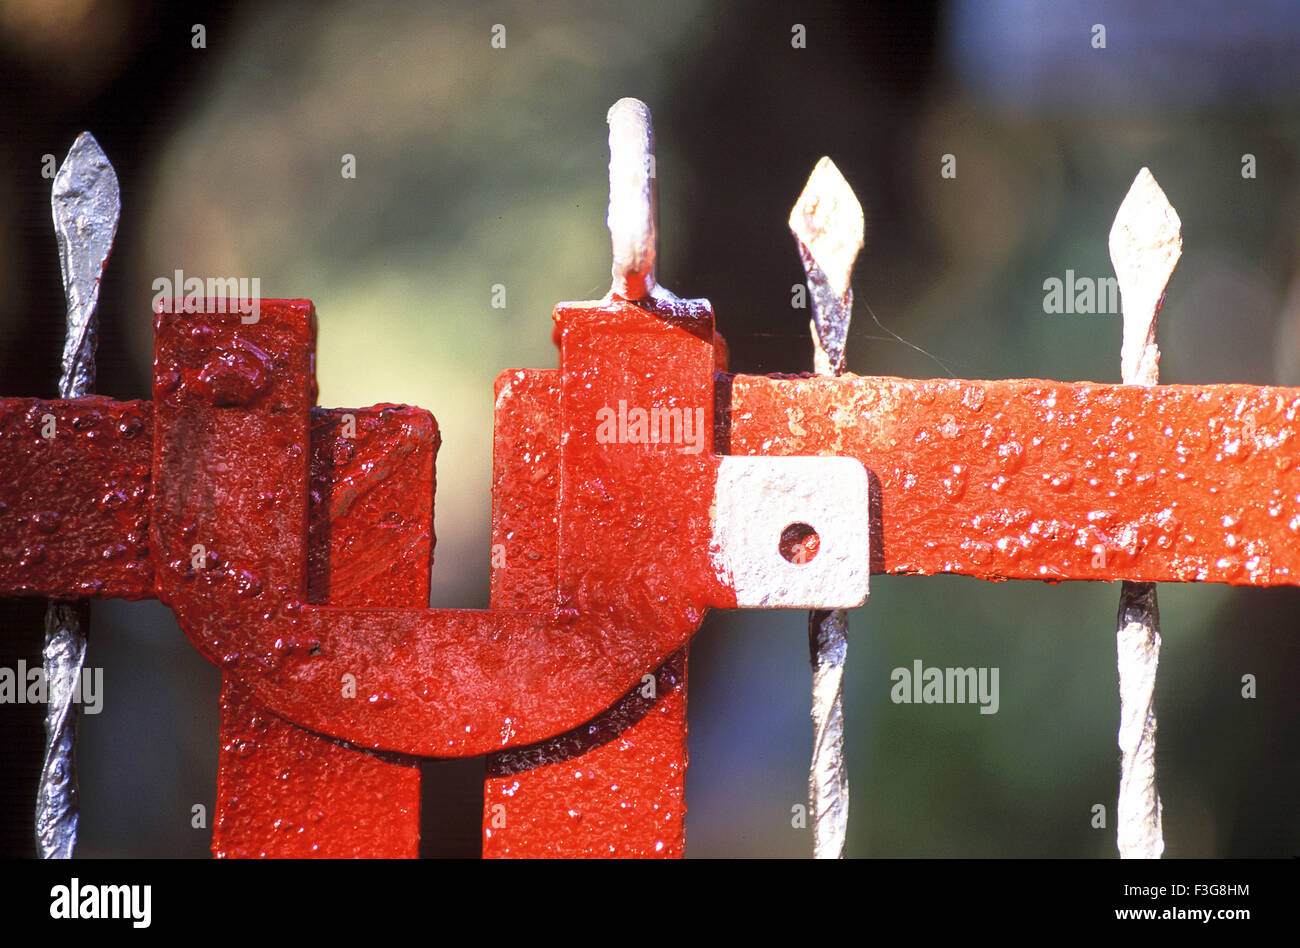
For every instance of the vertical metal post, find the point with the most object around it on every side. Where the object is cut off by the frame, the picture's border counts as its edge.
(86, 205)
(828, 227)
(1145, 244)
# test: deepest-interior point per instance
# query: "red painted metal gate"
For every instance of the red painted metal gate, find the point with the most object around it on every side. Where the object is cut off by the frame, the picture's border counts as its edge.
(294, 545)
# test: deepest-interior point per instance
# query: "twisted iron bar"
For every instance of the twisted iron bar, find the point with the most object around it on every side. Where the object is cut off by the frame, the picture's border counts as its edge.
(86, 205)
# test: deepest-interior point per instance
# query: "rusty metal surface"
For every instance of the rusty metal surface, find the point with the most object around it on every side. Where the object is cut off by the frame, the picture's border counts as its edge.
(283, 791)
(1032, 479)
(614, 786)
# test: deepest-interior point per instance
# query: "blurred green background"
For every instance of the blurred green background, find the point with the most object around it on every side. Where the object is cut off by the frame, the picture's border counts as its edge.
(478, 166)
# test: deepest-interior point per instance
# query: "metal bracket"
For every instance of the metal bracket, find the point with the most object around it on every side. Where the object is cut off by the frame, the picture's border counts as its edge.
(760, 498)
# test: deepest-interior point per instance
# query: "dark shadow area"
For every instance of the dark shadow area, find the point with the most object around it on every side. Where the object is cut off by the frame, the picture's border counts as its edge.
(602, 729)
(451, 808)
(22, 730)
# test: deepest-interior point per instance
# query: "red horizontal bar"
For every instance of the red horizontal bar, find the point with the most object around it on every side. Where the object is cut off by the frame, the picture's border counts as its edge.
(74, 498)
(74, 507)
(1032, 479)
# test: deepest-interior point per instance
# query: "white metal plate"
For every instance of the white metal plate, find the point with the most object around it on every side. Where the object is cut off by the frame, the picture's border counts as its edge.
(758, 497)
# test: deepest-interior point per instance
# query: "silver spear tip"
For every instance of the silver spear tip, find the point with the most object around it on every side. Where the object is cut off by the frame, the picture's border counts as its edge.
(86, 204)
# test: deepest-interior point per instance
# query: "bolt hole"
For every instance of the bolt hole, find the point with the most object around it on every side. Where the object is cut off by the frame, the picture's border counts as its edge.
(799, 543)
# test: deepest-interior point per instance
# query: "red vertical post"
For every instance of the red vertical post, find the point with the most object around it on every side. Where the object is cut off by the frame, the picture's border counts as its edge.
(616, 785)
(283, 791)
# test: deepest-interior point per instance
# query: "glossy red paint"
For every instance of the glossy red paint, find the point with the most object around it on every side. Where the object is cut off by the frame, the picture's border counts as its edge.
(229, 509)
(283, 791)
(74, 498)
(614, 786)
(1030, 479)
(293, 559)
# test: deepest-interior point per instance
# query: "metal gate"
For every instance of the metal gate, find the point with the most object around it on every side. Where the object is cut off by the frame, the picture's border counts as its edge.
(634, 488)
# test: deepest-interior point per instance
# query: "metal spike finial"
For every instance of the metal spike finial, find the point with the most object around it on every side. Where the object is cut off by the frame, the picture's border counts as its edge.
(1145, 244)
(633, 199)
(86, 204)
(828, 226)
